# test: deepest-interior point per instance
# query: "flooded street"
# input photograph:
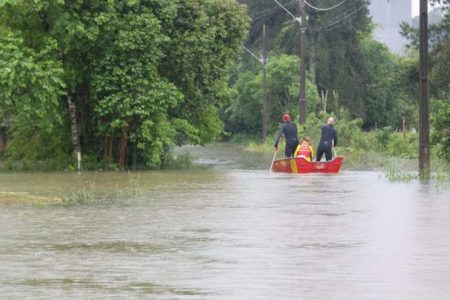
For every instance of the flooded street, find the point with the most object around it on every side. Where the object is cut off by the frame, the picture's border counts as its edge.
(227, 232)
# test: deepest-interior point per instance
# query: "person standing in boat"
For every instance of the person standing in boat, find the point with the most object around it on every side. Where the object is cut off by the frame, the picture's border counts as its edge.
(328, 140)
(289, 131)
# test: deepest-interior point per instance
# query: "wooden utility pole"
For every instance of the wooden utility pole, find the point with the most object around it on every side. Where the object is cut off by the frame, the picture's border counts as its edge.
(424, 122)
(302, 102)
(265, 109)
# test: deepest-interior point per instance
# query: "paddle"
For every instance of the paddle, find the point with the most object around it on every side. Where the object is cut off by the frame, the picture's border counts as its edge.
(273, 159)
(275, 154)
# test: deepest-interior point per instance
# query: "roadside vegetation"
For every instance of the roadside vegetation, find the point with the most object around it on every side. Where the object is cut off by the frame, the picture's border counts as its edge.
(122, 83)
(364, 150)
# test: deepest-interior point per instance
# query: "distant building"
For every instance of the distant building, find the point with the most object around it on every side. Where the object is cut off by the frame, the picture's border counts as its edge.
(387, 15)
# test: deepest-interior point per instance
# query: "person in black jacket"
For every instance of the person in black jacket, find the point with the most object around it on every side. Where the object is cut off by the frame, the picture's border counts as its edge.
(328, 139)
(289, 131)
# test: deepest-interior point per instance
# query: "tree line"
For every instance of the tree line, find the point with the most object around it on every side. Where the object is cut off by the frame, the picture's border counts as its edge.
(349, 73)
(119, 81)
(122, 82)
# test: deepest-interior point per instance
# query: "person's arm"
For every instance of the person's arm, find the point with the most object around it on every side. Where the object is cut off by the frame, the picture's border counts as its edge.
(335, 138)
(278, 137)
(312, 152)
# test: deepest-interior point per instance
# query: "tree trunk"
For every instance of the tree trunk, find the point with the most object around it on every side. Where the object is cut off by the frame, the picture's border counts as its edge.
(336, 101)
(324, 97)
(108, 147)
(404, 127)
(74, 130)
(123, 148)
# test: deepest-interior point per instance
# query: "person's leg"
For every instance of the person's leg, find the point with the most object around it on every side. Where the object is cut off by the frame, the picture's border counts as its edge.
(286, 151)
(328, 155)
(293, 148)
(319, 154)
(289, 150)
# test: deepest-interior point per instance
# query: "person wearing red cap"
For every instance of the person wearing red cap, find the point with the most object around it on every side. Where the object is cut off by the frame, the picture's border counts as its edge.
(289, 131)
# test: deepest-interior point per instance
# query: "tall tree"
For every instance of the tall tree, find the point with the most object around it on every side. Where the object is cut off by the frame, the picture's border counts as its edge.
(141, 75)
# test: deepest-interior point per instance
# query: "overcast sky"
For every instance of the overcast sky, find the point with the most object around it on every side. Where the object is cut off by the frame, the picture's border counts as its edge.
(415, 7)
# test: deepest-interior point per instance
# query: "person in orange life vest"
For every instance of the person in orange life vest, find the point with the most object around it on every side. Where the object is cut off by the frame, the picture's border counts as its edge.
(305, 150)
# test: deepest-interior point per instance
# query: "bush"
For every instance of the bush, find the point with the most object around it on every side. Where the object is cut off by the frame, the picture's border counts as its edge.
(404, 147)
(441, 129)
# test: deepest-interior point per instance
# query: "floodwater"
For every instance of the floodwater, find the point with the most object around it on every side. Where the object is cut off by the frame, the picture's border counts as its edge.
(226, 232)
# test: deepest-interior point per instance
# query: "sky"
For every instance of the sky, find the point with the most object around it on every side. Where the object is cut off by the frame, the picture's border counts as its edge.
(415, 7)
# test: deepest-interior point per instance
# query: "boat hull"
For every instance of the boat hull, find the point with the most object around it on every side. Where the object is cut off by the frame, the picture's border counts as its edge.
(301, 165)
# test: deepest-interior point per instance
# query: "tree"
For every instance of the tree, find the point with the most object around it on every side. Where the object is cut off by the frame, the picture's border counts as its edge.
(391, 86)
(336, 55)
(334, 58)
(30, 88)
(441, 128)
(205, 40)
(139, 75)
(283, 92)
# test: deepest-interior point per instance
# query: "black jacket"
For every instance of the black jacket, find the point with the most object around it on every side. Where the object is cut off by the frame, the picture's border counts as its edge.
(328, 136)
(289, 130)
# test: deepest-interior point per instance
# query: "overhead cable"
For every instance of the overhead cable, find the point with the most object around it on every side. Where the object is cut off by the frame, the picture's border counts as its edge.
(252, 54)
(269, 11)
(329, 28)
(286, 10)
(324, 9)
(320, 28)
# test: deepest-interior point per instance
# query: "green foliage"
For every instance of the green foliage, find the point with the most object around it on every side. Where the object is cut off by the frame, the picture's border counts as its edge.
(360, 75)
(403, 146)
(144, 75)
(205, 39)
(30, 88)
(282, 92)
(245, 110)
(441, 129)
(362, 149)
(439, 79)
(439, 39)
(336, 54)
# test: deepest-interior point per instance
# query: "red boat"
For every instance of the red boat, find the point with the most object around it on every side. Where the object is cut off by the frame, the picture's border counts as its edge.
(301, 165)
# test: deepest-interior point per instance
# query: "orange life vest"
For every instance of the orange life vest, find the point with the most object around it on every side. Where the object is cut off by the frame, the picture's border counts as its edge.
(304, 150)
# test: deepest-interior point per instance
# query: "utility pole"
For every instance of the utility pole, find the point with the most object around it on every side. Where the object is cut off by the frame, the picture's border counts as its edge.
(424, 122)
(302, 102)
(265, 116)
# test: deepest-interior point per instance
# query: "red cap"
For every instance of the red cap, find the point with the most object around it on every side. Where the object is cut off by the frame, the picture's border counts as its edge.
(286, 118)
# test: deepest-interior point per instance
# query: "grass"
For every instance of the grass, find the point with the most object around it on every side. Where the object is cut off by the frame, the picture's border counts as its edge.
(25, 198)
(395, 174)
(87, 194)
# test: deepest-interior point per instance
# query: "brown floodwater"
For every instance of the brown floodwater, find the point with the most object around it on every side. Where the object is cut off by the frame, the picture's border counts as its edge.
(231, 231)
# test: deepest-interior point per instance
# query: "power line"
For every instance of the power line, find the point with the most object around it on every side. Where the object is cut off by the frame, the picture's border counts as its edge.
(328, 28)
(319, 28)
(286, 10)
(252, 54)
(268, 11)
(324, 9)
